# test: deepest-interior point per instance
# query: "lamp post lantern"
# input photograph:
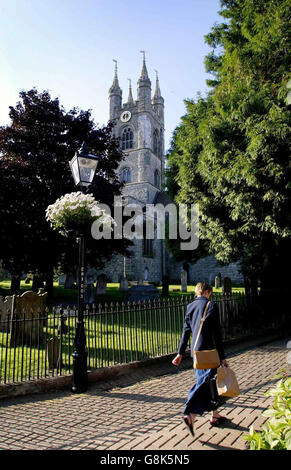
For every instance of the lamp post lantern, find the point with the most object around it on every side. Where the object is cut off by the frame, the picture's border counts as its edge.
(83, 166)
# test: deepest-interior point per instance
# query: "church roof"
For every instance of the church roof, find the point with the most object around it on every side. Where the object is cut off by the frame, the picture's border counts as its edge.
(163, 198)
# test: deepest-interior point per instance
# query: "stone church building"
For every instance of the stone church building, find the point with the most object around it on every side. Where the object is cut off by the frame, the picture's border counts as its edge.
(140, 126)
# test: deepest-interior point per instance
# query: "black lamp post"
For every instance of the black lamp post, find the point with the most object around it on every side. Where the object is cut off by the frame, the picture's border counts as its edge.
(83, 166)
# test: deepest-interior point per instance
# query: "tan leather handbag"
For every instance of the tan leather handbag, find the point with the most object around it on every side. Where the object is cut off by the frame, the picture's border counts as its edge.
(207, 359)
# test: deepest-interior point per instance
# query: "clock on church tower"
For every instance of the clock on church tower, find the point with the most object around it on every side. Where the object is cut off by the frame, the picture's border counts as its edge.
(125, 116)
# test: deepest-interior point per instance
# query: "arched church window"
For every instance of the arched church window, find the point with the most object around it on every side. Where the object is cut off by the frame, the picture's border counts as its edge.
(148, 248)
(125, 176)
(127, 139)
(157, 178)
(156, 142)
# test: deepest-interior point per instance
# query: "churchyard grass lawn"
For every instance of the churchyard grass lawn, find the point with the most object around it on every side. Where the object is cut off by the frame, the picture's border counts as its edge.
(69, 295)
(113, 294)
(112, 291)
(175, 290)
(112, 338)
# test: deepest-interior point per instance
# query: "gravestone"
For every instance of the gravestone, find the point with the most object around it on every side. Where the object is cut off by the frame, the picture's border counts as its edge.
(53, 350)
(184, 281)
(141, 292)
(62, 326)
(146, 275)
(28, 279)
(226, 286)
(6, 307)
(165, 288)
(62, 279)
(101, 284)
(218, 281)
(89, 289)
(91, 274)
(69, 281)
(123, 285)
(28, 319)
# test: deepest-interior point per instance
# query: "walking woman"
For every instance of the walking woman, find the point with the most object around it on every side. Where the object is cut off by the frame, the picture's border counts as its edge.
(199, 397)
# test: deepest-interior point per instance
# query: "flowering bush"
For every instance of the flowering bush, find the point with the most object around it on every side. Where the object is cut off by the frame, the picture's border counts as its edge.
(75, 211)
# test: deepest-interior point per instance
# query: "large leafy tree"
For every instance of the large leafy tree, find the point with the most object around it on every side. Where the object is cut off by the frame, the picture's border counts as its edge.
(231, 153)
(34, 171)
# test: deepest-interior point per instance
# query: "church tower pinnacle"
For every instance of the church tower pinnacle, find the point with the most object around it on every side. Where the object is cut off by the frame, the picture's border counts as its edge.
(158, 100)
(130, 98)
(115, 95)
(144, 72)
(157, 93)
(144, 87)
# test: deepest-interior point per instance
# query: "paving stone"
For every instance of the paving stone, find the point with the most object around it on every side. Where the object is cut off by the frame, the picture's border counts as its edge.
(188, 444)
(231, 438)
(239, 444)
(218, 437)
(142, 411)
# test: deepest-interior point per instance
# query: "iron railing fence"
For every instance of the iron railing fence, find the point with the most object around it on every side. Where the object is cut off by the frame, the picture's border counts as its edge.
(37, 346)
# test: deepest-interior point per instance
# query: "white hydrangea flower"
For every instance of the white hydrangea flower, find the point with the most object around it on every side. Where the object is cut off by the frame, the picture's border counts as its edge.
(77, 208)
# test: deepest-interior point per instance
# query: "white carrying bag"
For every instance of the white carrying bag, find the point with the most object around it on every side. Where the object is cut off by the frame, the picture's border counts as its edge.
(226, 381)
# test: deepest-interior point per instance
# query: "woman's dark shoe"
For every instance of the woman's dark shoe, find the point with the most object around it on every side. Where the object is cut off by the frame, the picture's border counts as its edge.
(218, 421)
(188, 421)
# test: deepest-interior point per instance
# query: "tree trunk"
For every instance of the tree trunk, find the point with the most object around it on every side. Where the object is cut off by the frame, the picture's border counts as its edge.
(251, 286)
(49, 284)
(15, 283)
(37, 282)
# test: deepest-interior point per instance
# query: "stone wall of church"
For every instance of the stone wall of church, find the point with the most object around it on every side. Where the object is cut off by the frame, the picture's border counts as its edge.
(144, 193)
(137, 265)
(130, 161)
(205, 269)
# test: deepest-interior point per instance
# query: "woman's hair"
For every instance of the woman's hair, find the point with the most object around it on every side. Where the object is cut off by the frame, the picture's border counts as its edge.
(202, 287)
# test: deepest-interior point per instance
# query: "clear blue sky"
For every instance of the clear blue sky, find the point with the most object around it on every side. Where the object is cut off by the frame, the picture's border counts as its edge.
(67, 47)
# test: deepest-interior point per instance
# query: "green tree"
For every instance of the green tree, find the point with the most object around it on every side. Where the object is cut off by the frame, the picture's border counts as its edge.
(34, 171)
(231, 153)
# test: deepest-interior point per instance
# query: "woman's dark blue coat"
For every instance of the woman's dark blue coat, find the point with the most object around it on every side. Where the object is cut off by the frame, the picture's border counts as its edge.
(210, 337)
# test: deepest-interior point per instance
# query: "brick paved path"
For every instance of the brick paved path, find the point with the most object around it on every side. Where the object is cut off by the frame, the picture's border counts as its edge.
(144, 415)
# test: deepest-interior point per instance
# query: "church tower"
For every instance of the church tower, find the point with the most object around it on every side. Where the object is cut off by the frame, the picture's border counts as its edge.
(140, 126)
